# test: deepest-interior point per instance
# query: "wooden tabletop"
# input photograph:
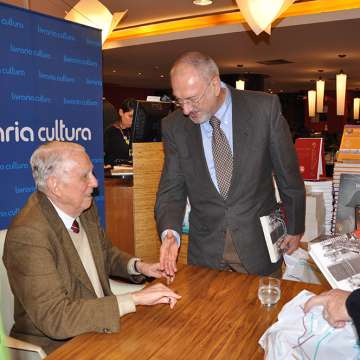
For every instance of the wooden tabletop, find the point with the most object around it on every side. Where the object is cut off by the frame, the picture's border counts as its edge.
(218, 317)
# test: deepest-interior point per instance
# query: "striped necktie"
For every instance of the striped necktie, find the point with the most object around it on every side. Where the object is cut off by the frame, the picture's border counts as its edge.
(75, 227)
(223, 158)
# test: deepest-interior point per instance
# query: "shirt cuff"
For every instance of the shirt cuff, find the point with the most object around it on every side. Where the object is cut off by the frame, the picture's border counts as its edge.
(176, 234)
(131, 266)
(126, 304)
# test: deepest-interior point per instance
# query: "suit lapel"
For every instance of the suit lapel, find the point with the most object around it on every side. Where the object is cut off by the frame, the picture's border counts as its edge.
(92, 233)
(241, 117)
(77, 268)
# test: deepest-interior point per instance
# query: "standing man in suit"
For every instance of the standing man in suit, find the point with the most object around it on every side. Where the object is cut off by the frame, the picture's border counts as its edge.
(226, 171)
(59, 259)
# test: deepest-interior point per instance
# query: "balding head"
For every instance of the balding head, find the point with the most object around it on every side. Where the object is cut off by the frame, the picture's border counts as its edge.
(204, 65)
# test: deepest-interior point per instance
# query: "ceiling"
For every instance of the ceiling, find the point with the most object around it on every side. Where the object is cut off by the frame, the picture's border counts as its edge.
(309, 42)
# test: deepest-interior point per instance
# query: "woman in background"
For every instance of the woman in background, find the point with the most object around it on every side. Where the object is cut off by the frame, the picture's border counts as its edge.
(117, 135)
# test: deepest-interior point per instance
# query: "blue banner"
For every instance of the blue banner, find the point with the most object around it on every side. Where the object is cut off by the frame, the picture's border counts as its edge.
(50, 89)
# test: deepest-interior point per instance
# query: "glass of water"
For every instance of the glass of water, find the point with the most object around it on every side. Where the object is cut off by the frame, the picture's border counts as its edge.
(269, 291)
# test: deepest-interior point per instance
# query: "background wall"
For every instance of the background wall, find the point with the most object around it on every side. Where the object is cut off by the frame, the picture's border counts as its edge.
(50, 89)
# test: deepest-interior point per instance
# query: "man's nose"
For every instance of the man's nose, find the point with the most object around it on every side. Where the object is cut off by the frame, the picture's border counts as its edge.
(187, 108)
(93, 181)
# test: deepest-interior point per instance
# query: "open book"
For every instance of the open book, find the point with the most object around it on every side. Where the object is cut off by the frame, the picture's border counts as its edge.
(274, 229)
(338, 258)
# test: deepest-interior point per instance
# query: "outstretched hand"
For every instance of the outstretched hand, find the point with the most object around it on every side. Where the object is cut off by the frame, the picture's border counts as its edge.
(168, 254)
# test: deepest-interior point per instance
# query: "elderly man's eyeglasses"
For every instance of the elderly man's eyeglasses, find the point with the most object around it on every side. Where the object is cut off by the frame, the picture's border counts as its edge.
(192, 101)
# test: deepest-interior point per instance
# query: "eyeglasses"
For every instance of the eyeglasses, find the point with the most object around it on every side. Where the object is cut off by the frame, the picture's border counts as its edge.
(193, 102)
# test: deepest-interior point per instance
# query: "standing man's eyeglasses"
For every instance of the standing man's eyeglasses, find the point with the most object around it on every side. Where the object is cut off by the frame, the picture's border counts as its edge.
(192, 101)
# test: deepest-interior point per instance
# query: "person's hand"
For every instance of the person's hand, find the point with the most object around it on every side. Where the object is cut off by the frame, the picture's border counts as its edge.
(335, 312)
(156, 294)
(150, 270)
(290, 243)
(168, 255)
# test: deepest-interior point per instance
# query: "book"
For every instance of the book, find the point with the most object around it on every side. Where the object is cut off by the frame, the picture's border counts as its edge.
(310, 153)
(348, 204)
(338, 258)
(274, 229)
(350, 144)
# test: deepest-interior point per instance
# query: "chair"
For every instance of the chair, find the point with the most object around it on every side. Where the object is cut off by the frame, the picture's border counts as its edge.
(19, 350)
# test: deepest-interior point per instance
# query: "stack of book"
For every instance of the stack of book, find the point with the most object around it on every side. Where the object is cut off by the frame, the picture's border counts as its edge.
(319, 208)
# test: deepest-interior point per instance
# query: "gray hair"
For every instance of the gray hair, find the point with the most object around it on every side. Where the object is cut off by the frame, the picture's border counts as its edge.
(204, 64)
(49, 159)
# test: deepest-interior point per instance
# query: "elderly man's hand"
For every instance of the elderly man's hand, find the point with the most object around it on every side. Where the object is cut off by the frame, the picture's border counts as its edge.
(156, 294)
(290, 243)
(335, 311)
(168, 254)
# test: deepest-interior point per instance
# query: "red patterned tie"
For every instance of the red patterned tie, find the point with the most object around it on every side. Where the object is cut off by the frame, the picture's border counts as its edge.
(223, 158)
(75, 227)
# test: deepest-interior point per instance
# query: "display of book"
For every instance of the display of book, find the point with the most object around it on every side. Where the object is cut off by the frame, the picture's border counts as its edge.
(348, 205)
(338, 258)
(274, 229)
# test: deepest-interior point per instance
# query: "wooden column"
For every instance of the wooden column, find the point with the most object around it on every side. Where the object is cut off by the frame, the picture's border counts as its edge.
(148, 159)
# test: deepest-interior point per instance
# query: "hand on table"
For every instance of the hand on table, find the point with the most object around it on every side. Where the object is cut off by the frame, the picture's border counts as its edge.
(168, 254)
(156, 294)
(335, 311)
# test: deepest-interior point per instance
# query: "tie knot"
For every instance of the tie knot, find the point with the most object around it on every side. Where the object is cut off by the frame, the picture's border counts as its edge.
(75, 227)
(214, 122)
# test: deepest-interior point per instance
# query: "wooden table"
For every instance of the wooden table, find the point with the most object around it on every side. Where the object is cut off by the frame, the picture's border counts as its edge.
(218, 317)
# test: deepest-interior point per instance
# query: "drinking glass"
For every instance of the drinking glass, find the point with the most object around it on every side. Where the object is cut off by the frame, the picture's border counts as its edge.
(269, 291)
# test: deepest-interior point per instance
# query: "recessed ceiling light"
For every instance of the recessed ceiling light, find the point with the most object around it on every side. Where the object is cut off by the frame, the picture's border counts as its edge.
(162, 75)
(139, 73)
(202, 2)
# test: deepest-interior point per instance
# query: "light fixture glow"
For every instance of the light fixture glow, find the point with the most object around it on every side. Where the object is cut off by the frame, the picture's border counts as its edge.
(356, 108)
(240, 85)
(259, 14)
(311, 102)
(202, 2)
(340, 93)
(320, 87)
(93, 13)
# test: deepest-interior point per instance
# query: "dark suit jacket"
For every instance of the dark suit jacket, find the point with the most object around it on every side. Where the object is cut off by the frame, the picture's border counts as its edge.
(54, 298)
(262, 146)
(353, 308)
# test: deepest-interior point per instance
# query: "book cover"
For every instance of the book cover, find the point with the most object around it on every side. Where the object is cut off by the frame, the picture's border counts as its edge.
(338, 258)
(350, 143)
(310, 153)
(348, 203)
(274, 229)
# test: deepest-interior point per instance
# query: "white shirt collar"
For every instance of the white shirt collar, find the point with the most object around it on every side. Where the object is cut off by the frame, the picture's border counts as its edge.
(66, 219)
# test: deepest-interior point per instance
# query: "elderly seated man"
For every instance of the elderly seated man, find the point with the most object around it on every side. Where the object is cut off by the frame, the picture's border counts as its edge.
(59, 259)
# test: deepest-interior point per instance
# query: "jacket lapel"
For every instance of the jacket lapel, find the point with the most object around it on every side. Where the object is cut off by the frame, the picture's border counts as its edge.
(241, 117)
(77, 268)
(92, 233)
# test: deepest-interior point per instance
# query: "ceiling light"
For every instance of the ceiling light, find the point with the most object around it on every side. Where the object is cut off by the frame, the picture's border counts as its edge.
(320, 88)
(311, 102)
(202, 2)
(259, 14)
(93, 13)
(340, 93)
(240, 85)
(356, 108)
